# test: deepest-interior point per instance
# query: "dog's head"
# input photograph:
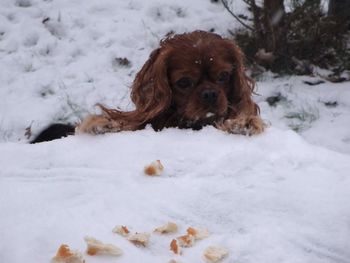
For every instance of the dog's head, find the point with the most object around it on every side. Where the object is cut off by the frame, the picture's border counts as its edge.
(191, 80)
(199, 75)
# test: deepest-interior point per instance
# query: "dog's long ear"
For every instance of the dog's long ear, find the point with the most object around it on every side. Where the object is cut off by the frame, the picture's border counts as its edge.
(150, 92)
(242, 86)
(53, 132)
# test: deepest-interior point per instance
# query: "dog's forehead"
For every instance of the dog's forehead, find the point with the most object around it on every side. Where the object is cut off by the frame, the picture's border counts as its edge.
(199, 55)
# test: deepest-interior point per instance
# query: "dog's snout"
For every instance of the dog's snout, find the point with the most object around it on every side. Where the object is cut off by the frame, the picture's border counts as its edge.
(209, 96)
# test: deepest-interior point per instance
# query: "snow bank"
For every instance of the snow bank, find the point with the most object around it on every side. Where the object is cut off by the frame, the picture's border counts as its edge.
(271, 198)
(277, 197)
(58, 58)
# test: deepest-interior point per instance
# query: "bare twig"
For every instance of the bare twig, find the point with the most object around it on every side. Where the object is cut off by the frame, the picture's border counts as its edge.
(248, 2)
(224, 2)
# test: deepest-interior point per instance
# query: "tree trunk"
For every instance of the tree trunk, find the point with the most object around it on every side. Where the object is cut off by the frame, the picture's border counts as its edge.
(339, 8)
(340, 11)
(274, 25)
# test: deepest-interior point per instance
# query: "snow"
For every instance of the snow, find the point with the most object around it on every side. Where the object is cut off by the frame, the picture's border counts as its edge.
(319, 113)
(282, 196)
(272, 197)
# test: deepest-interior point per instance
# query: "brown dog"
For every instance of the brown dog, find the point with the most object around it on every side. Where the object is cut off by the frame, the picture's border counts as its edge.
(191, 80)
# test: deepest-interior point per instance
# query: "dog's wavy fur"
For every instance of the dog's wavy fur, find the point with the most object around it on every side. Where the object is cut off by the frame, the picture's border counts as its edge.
(152, 93)
(201, 58)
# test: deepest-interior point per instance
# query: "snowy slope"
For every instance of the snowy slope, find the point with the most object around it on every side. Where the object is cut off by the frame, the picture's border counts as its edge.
(58, 69)
(321, 114)
(278, 197)
(272, 198)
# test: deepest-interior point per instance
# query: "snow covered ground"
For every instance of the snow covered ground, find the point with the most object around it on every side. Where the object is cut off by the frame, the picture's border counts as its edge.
(282, 196)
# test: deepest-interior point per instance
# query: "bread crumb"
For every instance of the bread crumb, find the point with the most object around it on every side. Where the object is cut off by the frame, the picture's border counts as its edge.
(198, 233)
(186, 240)
(66, 255)
(121, 230)
(139, 239)
(155, 168)
(168, 228)
(174, 246)
(215, 254)
(95, 247)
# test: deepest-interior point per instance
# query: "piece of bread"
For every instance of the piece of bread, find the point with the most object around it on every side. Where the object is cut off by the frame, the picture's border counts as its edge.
(66, 255)
(168, 228)
(174, 246)
(198, 233)
(214, 253)
(139, 239)
(95, 247)
(121, 230)
(155, 168)
(186, 241)
(179, 242)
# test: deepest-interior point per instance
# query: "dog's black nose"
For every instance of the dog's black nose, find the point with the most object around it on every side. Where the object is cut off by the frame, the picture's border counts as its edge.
(209, 96)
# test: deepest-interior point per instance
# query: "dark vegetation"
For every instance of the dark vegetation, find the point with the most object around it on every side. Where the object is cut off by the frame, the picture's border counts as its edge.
(297, 38)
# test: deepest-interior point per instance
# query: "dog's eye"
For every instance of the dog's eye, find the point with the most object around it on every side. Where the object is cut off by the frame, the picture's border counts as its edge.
(223, 77)
(184, 83)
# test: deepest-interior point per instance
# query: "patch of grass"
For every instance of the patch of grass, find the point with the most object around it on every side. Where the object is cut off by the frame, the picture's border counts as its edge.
(46, 91)
(302, 119)
(23, 3)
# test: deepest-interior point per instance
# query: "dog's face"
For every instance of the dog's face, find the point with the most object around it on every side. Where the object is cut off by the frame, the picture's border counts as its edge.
(200, 76)
(191, 80)
(201, 80)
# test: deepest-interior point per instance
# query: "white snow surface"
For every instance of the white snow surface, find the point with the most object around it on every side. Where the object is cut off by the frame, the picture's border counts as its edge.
(282, 196)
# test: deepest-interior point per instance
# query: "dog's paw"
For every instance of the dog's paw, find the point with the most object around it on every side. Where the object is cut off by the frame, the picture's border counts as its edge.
(98, 124)
(246, 125)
